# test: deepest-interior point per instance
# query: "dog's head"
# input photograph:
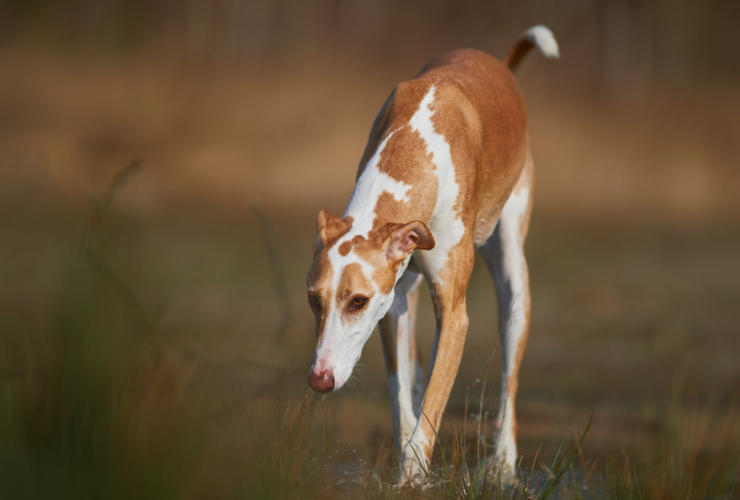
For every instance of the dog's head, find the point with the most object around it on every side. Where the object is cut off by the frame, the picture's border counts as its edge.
(350, 288)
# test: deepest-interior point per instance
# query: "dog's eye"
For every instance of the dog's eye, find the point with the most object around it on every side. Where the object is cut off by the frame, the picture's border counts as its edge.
(358, 303)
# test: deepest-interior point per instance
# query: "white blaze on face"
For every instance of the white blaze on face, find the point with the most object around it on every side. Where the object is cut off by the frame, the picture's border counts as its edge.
(445, 224)
(344, 336)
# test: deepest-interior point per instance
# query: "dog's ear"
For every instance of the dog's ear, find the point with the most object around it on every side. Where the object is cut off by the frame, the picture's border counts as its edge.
(405, 238)
(329, 228)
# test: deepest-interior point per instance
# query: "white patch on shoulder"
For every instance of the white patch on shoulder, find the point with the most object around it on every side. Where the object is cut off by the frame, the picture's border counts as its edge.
(371, 184)
(445, 224)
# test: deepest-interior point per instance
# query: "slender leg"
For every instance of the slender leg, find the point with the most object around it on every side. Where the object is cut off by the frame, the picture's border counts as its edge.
(397, 332)
(418, 375)
(504, 255)
(448, 296)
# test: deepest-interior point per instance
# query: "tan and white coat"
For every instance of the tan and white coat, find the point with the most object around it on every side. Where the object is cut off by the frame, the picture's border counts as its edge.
(446, 171)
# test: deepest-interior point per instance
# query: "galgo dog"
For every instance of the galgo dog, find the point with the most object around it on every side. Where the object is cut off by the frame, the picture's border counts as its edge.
(447, 170)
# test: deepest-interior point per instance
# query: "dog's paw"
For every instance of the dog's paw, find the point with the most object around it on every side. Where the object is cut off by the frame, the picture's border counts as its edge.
(414, 470)
(500, 467)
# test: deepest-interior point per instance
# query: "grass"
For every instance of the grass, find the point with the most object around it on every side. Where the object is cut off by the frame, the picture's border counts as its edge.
(98, 401)
(693, 455)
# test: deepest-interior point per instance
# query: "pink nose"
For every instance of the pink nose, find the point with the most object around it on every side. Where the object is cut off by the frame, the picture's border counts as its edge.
(322, 382)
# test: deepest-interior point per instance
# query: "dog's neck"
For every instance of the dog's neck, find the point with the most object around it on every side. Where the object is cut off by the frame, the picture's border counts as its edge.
(410, 169)
(366, 197)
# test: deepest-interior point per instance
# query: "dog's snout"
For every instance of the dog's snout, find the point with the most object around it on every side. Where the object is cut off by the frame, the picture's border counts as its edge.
(322, 382)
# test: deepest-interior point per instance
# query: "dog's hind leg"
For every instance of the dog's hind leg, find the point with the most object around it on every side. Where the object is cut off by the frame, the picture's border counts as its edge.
(504, 255)
(406, 378)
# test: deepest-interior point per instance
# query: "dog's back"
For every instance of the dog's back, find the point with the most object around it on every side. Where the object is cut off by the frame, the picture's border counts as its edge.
(479, 110)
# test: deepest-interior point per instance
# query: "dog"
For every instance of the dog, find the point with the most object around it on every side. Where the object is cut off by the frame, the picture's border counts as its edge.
(447, 170)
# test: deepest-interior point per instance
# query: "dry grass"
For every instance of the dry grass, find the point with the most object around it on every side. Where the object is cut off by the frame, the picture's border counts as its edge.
(98, 403)
(138, 351)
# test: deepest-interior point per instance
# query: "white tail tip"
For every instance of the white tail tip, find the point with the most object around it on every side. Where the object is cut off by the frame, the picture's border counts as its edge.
(543, 39)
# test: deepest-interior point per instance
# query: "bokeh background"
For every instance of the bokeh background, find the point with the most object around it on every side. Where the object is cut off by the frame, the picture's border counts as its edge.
(149, 322)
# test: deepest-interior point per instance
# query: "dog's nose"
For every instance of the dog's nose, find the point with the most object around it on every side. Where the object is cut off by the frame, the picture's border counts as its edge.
(322, 382)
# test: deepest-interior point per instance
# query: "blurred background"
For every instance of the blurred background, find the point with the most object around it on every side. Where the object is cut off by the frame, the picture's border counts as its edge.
(143, 318)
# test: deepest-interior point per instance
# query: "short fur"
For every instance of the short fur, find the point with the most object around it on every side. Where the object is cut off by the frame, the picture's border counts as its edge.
(446, 171)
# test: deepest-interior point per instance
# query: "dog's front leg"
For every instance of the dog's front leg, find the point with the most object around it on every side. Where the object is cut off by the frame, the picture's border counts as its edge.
(448, 297)
(401, 359)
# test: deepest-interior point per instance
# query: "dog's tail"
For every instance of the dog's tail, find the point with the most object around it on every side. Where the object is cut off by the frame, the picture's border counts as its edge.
(536, 36)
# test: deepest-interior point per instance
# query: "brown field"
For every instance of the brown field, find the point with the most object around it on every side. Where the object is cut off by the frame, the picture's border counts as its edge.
(634, 258)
